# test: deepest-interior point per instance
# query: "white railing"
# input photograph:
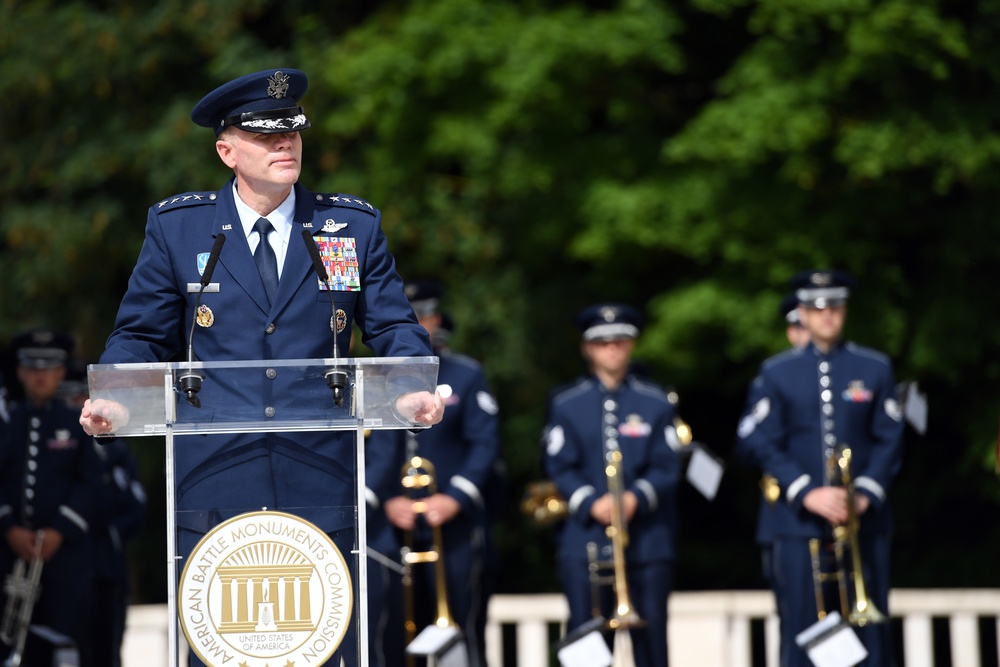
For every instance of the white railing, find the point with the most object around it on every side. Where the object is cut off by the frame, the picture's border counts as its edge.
(708, 629)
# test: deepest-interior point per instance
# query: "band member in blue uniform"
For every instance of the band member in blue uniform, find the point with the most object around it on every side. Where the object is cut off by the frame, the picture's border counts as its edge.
(612, 410)
(463, 449)
(119, 518)
(798, 336)
(268, 304)
(807, 402)
(48, 489)
(385, 614)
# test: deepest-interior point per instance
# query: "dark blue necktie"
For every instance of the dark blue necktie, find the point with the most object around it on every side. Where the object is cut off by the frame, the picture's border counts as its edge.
(267, 263)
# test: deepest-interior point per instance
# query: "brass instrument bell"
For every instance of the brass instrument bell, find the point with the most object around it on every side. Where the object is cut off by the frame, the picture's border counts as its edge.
(542, 504)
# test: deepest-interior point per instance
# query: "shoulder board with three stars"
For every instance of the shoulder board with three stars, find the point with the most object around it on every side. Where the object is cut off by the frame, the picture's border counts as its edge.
(186, 199)
(348, 201)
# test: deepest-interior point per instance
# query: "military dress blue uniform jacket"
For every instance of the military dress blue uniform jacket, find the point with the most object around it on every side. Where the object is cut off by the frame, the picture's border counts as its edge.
(641, 418)
(748, 453)
(805, 404)
(122, 510)
(224, 475)
(49, 476)
(49, 472)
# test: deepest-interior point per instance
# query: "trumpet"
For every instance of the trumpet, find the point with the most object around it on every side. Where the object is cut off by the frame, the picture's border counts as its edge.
(22, 587)
(846, 537)
(418, 476)
(624, 615)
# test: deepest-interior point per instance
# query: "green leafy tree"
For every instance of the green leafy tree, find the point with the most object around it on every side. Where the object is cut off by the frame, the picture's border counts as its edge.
(690, 159)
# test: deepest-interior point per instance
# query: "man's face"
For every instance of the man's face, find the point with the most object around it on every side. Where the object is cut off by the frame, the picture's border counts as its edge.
(798, 336)
(823, 324)
(266, 162)
(40, 384)
(430, 323)
(611, 356)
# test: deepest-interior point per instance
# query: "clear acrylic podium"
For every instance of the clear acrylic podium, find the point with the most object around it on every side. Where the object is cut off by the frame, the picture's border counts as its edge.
(244, 402)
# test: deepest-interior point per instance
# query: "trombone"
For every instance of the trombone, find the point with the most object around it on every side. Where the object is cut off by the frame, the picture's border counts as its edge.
(22, 589)
(846, 537)
(418, 476)
(625, 615)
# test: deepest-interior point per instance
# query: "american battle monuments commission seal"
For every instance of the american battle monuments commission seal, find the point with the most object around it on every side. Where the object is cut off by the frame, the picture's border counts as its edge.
(265, 586)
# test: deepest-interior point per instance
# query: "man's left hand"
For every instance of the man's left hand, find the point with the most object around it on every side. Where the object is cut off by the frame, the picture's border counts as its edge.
(441, 508)
(421, 407)
(52, 539)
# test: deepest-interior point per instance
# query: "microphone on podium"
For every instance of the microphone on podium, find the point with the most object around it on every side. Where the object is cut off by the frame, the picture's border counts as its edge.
(336, 378)
(190, 382)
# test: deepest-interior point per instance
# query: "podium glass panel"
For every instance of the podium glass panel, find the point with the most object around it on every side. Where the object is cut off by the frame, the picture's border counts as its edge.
(266, 530)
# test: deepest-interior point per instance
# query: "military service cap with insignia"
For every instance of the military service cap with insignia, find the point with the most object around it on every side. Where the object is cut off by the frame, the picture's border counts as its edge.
(442, 334)
(822, 288)
(609, 321)
(42, 348)
(263, 102)
(424, 296)
(789, 309)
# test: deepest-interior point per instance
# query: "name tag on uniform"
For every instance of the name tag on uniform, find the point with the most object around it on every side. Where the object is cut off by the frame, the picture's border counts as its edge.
(196, 287)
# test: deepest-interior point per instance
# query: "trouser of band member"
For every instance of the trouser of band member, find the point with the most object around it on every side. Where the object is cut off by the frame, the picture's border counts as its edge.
(649, 586)
(796, 600)
(465, 558)
(109, 604)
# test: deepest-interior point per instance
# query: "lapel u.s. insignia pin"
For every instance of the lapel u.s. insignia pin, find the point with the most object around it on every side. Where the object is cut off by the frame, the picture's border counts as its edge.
(206, 317)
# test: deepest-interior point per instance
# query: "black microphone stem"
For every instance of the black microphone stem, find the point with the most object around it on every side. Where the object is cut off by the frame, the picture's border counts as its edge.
(190, 382)
(336, 378)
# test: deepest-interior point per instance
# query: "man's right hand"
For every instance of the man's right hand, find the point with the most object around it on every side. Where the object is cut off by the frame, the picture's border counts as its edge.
(602, 510)
(829, 502)
(399, 511)
(101, 416)
(22, 542)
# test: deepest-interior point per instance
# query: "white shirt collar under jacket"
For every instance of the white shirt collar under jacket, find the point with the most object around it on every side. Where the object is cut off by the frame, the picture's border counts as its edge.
(280, 218)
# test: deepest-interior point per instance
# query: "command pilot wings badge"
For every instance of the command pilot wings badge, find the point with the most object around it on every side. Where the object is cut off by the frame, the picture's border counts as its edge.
(332, 226)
